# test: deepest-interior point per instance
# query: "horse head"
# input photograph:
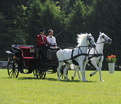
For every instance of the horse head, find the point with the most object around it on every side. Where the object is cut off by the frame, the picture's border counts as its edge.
(91, 41)
(105, 38)
(86, 38)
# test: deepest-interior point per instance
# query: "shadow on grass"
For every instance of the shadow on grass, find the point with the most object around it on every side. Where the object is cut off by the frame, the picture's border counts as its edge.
(50, 79)
(26, 78)
(79, 81)
(69, 81)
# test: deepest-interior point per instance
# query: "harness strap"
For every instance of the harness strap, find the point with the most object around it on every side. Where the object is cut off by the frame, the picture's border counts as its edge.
(99, 60)
(73, 61)
(94, 55)
(72, 57)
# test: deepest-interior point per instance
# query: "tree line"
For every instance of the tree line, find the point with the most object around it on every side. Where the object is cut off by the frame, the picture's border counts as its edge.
(20, 21)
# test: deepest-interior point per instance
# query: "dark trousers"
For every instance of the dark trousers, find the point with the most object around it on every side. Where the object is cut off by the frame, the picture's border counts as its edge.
(42, 52)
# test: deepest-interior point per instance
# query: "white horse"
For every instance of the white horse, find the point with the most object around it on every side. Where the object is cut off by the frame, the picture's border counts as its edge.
(96, 55)
(77, 55)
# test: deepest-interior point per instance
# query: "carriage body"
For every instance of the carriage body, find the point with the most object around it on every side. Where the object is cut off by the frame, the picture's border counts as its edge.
(21, 60)
(26, 59)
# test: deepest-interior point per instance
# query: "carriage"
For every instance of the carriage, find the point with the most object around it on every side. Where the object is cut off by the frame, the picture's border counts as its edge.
(26, 59)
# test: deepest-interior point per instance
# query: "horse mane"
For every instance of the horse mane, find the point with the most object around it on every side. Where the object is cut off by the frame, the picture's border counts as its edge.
(81, 37)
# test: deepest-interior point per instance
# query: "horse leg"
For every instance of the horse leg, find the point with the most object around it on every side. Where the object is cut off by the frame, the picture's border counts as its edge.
(72, 66)
(58, 70)
(82, 72)
(100, 67)
(78, 73)
(84, 67)
(65, 71)
(97, 68)
(75, 68)
(74, 74)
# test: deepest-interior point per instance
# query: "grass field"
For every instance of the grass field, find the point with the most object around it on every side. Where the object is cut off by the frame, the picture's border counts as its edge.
(28, 90)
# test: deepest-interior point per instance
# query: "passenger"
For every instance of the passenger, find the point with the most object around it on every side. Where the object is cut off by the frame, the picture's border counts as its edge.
(51, 39)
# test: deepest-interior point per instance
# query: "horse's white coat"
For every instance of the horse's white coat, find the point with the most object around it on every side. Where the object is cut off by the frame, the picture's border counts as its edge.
(96, 61)
(65, 54)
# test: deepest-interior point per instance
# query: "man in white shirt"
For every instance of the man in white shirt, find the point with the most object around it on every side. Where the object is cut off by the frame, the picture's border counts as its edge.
(50, 38)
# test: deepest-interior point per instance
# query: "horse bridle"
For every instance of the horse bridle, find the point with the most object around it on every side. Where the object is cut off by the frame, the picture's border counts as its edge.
(105, 38)
(79, 49)
(97, 54)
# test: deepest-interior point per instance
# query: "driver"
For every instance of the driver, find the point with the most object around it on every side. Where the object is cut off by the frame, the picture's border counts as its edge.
(42, 44)
(41, 38)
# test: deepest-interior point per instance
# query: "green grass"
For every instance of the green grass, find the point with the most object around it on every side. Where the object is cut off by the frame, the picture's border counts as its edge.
(28, 90)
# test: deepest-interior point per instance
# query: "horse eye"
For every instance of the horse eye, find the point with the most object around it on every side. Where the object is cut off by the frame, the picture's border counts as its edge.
(102, 36)
(89, 39)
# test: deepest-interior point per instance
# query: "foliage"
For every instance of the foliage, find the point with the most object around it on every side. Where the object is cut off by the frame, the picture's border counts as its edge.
(76, 20)
(21, 19)
(111, 59)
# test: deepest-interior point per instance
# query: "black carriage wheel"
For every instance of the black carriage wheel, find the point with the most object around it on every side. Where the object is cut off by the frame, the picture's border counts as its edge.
(41, 69)
(39, 74)
(12, 68)
(25, 71)
(35, 72)
(42, 74)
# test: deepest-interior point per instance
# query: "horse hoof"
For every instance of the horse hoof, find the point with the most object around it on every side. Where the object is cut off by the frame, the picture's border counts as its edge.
(85, 80)
(80, 78)
(67, 79)
(90, 75)
(60, 79)
(72, 77)
(102, 80)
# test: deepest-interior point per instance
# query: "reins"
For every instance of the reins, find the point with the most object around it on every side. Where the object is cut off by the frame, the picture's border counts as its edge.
(72, 57)
(101, 42)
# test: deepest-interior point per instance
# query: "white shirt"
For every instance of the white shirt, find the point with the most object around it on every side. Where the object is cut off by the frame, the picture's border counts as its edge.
(51, 40)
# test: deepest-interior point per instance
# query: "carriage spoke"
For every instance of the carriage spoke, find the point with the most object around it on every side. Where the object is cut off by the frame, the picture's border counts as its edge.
(12, 68)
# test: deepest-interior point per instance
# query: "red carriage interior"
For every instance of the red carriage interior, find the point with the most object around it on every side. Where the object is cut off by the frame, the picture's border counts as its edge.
(27, 55)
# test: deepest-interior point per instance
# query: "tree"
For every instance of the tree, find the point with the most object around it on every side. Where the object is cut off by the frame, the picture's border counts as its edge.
(12, 25)
(34, 15)
(105, 17)
(76, 20)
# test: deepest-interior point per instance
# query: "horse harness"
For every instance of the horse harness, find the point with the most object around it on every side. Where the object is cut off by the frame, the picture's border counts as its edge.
(85, 54)
(94, 55)
(73, 57)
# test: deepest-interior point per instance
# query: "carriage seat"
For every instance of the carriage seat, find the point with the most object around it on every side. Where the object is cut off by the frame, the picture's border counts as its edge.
(26, 53)
(51, 54)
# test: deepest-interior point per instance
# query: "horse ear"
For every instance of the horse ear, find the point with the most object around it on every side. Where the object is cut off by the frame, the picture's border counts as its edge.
(99, 32)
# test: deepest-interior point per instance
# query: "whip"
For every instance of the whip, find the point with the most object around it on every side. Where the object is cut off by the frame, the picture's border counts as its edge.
(60, 32)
